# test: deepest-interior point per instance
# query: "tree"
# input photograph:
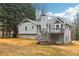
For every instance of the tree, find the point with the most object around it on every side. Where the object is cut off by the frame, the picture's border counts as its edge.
(14, 14)
(77, 25)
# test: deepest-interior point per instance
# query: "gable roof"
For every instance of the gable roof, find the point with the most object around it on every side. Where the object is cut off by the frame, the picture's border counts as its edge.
(60, 19)
(64, 21)
(55, 19)
(32, 21)
(67, 22)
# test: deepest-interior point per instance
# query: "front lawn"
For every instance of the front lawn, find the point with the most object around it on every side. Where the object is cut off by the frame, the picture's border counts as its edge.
(28, 47)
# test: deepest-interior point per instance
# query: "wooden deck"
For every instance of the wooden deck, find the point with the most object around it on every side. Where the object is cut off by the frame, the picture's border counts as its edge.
(56, 30)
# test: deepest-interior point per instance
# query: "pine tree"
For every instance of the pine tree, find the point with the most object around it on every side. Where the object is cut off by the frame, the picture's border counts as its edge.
(12, 14)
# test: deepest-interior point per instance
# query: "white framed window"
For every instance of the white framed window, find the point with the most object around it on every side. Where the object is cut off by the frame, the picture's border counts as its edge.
(25, 28)
(57, 25)
(32, 27)
(61, 25)
(66, 38)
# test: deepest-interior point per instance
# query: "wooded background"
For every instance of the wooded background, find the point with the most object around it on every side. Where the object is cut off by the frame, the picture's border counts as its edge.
(11, 14)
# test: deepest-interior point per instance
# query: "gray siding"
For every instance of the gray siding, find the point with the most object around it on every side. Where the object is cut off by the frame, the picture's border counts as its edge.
(32, 36)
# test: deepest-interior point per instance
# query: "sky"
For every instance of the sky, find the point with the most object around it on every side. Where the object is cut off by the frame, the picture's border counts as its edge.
(55, 7)
(59, 9)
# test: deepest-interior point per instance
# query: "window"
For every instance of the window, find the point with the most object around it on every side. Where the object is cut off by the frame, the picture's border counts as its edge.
(57, 26)
(32, 27)
(25, 28)
(62, 26)
(39, 27)
(66, 38)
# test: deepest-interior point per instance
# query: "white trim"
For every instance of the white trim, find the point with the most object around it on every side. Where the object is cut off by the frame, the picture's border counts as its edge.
(32, 21)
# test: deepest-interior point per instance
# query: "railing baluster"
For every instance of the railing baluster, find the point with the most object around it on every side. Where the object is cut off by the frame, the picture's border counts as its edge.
(56, 30)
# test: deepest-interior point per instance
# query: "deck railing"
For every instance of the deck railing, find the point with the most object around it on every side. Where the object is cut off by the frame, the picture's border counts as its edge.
(56, 30)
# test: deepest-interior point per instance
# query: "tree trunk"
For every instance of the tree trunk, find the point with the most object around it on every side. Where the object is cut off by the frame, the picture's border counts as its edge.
(6, 33)
(9, 34)
(3, 33)
(3, 29)
(15, 31)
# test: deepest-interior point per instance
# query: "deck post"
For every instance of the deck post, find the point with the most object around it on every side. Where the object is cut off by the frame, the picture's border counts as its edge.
(60, 38)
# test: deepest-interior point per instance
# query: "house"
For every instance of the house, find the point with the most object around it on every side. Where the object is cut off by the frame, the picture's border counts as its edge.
(54, 30)
(27, 29)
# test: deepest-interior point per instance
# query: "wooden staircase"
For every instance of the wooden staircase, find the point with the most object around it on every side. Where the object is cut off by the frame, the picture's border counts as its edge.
(43, 38)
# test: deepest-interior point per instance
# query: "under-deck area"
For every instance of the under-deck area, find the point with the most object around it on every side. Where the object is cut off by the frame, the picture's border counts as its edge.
(56, 38)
